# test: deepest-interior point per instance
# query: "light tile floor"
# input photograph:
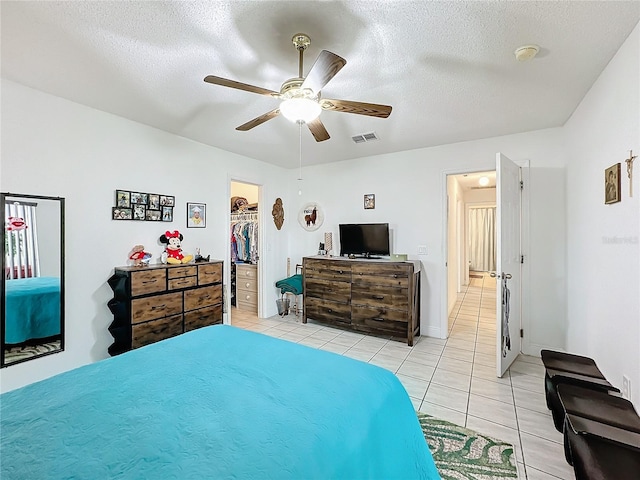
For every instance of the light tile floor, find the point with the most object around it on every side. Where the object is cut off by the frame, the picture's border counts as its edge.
(453, 379)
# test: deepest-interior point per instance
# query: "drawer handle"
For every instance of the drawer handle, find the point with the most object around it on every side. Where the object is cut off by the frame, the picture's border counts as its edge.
(150, 281)
(248, 297)
(247, 273)
(379, 297)
(378, 319)
(329, 310)
(340, 272)
(395, 275)
(205, 297)
(158, 307)
(248, 284)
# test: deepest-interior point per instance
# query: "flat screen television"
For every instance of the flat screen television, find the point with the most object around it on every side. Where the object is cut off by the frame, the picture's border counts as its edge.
(364, 239)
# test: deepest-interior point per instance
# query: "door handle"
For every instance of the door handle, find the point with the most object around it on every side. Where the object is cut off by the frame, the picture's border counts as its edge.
(504, 275)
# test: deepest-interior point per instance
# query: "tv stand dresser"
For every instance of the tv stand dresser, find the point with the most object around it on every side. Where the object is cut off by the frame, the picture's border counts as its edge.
(381, 297)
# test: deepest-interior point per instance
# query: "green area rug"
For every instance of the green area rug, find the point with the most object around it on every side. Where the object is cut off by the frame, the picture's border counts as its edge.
(462, 454)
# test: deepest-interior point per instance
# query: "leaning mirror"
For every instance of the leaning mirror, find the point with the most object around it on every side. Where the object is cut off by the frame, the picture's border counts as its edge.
(32, 294)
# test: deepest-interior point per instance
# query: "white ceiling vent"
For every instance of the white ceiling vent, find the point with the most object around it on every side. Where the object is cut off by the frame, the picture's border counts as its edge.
(365, 137)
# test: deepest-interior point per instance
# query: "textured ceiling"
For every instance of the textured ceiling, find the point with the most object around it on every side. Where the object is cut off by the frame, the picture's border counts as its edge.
(447, 68)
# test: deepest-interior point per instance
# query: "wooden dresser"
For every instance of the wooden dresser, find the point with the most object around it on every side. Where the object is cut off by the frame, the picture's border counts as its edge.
(160, 301)
(247, 287)
(379, 297)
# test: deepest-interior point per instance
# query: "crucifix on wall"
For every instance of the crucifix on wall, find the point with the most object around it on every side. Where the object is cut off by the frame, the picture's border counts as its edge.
(629, 162)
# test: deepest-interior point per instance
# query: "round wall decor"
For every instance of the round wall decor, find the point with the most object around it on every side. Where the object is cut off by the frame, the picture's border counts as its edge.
(311, 217)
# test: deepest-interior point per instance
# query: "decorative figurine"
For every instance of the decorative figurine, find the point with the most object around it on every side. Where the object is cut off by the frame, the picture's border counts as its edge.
(174, 252)
(139, 257)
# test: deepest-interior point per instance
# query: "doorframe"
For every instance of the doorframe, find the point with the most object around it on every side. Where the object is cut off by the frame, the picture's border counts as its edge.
(261, 269)
(525, 223)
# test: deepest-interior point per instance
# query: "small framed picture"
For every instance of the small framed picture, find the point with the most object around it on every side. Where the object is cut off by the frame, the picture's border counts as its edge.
(139, 212)
(167, 201)
(167, 214)
(118, 213)
(123, 199)
(154, 202)
(196, 215)
(612, 184)
(153, 215)
(369, 201)
(138, 198)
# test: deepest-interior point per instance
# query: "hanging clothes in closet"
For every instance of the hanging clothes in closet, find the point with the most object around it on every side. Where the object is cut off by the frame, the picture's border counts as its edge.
(244, 237)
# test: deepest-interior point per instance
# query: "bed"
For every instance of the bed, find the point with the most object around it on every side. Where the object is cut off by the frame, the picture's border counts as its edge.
(218, 402)
(32, 309)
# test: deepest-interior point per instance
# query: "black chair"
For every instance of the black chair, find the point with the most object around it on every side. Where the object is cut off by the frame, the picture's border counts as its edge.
(601, 407)
(602, 452)
(566, 368)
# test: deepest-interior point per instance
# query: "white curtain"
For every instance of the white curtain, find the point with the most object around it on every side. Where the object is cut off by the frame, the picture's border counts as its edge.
(482, 239)
(21, 241)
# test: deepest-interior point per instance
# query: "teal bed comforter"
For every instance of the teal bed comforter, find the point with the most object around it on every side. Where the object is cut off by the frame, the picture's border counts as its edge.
(215, 403)
(32, 309)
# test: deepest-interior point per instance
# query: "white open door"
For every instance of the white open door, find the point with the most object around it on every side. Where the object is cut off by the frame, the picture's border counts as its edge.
(508, 265)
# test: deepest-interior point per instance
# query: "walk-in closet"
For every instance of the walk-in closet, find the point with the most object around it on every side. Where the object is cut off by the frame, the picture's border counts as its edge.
(244, 249)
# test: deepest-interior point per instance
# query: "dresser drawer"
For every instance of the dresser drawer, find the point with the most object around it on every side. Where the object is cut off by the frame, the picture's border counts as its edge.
(143, 309)
(155, 330)
(183, 282)
(247, 284)
(337, 271)
(327, 289)
(388, 320)
(202, 317)
(246, 272)
(209, 273)
(324, 310)
(246, 297)
(182, 271)
(391, 275)
(380, 296)
(202, 297)
(148, 281)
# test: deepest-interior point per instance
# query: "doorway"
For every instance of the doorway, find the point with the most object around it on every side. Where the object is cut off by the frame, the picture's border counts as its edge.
(470, 233)
(244, 230)
(511, 240)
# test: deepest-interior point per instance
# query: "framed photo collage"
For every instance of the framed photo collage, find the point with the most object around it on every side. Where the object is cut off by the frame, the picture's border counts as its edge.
(151, 207)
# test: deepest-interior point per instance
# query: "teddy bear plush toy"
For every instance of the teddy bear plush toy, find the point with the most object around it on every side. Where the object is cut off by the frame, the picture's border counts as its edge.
(139, 257)
(173, 240)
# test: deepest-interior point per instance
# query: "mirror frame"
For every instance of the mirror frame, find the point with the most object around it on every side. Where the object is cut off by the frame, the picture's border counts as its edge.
(3, 197)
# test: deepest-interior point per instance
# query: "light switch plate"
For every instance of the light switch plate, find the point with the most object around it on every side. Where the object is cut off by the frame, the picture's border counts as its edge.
(422, 249)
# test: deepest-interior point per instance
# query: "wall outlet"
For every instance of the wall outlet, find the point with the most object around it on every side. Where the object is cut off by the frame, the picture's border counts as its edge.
(422, 249)
(626, 387)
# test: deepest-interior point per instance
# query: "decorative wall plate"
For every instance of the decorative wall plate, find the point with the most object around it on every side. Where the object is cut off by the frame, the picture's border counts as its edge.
(311, 216)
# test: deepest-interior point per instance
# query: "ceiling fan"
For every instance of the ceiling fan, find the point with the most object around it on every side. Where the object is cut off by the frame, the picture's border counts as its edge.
(301, 96)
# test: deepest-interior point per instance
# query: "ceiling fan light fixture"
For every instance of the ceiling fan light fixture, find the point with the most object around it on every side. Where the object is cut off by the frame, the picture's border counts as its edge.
(300, 109)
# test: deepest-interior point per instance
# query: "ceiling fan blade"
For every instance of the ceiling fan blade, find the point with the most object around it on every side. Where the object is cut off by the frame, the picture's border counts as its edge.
(317, 130)
(259, 120)
(326, 66)
(225, 82)
(359, 108)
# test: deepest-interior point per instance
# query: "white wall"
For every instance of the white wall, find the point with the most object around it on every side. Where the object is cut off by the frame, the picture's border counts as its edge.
(602, 258)
(455, 238)
(410, 189)
(51, 146)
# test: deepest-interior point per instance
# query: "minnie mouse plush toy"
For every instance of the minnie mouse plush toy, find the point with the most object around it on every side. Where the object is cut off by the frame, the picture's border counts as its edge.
(173, 240)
